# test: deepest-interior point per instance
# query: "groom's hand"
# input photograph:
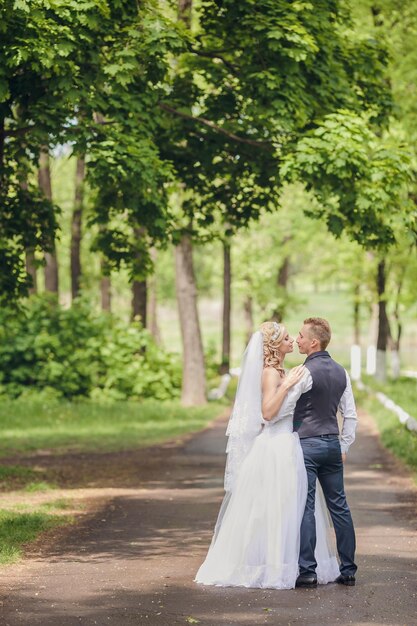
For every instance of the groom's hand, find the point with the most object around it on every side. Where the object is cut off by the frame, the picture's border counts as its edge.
(343, 457)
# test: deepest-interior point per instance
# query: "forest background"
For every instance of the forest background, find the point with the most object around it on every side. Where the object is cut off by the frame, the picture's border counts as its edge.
(195, 169)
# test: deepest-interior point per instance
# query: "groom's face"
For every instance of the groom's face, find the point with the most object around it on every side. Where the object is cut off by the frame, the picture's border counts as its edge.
(305, 340)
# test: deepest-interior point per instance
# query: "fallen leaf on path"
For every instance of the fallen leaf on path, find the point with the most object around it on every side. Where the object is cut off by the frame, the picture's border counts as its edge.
(192, 620)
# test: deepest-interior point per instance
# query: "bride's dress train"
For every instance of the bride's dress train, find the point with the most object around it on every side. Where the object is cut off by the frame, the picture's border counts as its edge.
(257, 536)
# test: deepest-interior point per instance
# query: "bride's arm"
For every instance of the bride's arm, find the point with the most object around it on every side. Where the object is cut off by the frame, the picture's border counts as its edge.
(274, 392)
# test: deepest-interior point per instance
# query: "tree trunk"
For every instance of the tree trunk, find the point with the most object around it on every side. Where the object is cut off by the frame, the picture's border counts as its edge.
(395, 363)
(227, 278)
(282, 282)
(51, 272)
(194, 379)
(153, 311)
(31, 270)
(383, 326)
(153, 302)
(76, 228)
(184, 11)
(139, 301)
(2, 131)
(105, 289)
(395, 343)
(284, 273)
(30, 258)
(44, 180)
(356, 316)
(194, 375)
(248, 316)
(139, 287)
(2, 138)
(383, 322)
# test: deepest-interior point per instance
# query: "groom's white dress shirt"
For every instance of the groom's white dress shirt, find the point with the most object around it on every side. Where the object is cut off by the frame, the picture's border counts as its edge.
(346, 407)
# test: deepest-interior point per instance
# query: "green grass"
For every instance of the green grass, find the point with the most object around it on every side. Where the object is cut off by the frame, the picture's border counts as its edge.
(17, 529)
(402, 390)
(16, 476)
(394, 435)
(60, 504)
(27, 426)
(8, 472)
(39, 487)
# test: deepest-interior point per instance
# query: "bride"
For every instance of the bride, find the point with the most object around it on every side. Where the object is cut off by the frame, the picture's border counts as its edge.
(257, 535)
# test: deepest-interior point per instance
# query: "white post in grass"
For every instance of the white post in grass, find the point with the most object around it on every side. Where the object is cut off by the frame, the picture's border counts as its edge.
(371, 360)
(355, 362)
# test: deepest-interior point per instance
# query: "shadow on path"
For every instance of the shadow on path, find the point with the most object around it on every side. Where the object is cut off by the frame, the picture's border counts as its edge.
(134, 561)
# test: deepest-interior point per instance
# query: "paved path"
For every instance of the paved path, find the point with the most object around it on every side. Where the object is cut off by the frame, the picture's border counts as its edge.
(133, 562)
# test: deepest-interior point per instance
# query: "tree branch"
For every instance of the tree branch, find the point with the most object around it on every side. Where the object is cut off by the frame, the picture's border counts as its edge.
(215, 55)
(16, 132)
(263, 145)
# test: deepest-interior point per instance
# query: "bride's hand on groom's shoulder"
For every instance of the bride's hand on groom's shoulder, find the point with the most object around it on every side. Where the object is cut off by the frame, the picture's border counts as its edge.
(294, 376)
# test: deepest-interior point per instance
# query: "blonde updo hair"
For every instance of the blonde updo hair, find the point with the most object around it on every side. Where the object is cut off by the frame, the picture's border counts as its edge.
(273, 334)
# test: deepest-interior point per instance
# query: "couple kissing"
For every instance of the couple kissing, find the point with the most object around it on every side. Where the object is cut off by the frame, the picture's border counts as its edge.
(284, 470)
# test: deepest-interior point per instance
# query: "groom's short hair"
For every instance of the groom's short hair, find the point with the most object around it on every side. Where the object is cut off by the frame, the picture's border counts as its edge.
(320, 329)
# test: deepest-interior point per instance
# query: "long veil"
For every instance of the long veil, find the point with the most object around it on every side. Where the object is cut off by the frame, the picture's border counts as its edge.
(245, 421)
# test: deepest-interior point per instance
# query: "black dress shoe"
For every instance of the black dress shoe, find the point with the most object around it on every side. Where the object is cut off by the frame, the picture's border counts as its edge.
(307, 581)
(346, 580)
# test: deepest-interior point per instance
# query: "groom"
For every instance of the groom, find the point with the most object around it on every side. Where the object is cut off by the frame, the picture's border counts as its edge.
(321, 393)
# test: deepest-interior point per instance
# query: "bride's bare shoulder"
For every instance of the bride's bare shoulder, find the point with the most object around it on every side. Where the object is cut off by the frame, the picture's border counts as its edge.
(271, 375)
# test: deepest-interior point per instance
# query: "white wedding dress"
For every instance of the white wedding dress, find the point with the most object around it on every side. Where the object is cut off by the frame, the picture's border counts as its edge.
(257, 535)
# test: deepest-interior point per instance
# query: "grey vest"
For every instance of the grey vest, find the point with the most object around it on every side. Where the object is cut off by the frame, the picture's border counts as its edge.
(316, 410)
